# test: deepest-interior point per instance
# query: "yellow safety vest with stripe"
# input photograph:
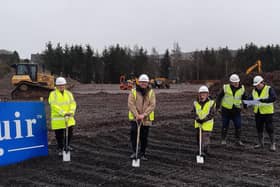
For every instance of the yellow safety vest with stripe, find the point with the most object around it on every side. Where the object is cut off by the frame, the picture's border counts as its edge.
(229, 99)
(264, 108)
(61, 104)
(202, 113)
(151, 115)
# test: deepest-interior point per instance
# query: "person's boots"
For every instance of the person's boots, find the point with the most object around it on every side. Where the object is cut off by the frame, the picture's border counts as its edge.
(224, 136)
(238, 137)
(206, 150)
(260, 145)
(273, 144)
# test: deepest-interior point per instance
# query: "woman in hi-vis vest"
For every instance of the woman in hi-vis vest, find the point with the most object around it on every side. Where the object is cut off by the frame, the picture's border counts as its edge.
(203, 114)
(63, 107)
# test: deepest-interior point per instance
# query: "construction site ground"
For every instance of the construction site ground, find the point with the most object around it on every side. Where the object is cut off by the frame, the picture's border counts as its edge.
(102, 147)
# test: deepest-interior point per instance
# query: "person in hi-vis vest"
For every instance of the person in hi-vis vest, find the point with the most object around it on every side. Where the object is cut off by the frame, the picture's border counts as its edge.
(141, 105)
(203, 114)
(63, 107)
(230, 98)
(264, 111)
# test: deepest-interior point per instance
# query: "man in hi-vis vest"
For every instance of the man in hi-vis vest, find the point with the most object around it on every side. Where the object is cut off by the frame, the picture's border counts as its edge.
(231, 98)
(204, 111)
(264, 111)
(141, 105)
(63, 106)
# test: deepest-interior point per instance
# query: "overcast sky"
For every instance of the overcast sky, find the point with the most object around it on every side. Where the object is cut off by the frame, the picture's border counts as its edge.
(27, 25)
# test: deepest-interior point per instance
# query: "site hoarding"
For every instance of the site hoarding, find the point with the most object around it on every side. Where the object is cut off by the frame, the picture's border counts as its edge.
(23, 131)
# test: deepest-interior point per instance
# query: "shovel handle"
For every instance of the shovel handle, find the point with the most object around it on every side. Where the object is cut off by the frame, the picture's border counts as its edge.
(138, 136)
(200, 139)
(66, 133)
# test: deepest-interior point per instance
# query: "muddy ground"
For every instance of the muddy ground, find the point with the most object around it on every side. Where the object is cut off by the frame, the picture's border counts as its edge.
(102, 149)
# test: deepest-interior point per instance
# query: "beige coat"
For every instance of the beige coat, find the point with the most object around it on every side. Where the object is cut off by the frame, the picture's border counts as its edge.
(142, 105)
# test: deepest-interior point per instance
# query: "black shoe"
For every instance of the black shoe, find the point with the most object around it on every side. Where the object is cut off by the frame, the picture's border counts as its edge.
(143, 157)
(70, 148)
(272, 147)
(203, 154)
(133, 156)
(59, 152)
(223, 142)
(239, 143)
(259, 146)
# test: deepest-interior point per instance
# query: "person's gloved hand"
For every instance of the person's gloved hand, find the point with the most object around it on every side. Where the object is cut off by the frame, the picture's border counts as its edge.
(68, 115)
(262, 100)
(199, 121)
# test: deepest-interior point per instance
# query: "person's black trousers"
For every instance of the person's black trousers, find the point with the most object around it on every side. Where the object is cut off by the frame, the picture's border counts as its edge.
(60, 134)
(144, 131)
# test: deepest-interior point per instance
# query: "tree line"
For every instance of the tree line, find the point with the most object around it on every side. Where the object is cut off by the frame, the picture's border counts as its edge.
(85, 64)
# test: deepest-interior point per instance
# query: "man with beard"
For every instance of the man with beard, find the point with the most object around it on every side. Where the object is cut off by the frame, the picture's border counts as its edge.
(141, 105)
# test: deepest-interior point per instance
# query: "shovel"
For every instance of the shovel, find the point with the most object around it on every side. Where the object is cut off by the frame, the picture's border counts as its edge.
(136, 160)
(66, 151)
(199, 158)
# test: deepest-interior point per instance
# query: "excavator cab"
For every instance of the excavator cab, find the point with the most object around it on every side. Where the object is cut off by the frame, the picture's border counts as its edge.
(26, 72)
(29, 83)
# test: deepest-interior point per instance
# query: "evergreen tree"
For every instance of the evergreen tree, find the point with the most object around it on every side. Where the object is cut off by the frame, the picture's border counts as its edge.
(165, 64)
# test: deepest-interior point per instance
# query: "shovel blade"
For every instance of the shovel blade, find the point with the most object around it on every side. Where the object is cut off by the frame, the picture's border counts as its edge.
(136, 163)
(66, 156)
(199, 159)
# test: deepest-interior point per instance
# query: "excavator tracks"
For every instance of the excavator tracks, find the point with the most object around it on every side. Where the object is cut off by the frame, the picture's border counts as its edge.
(30, 91)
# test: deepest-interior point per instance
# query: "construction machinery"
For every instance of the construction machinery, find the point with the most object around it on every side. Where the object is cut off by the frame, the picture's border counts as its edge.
(29, 83)
(125, 84)
(258, 65)
(160, 82)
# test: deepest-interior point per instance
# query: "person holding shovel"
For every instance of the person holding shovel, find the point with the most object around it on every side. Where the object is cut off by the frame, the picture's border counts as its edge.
(203, 114)
(63, 107)
(141, 105)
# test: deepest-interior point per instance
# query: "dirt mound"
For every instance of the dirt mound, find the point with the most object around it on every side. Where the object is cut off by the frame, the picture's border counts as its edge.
(6, 86)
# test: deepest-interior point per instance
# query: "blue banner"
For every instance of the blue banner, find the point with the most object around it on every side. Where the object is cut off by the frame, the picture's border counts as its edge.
(23, 131)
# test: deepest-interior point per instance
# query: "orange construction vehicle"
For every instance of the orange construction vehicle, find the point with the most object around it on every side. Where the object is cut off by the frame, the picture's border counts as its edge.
(258, 65)
(125, 84)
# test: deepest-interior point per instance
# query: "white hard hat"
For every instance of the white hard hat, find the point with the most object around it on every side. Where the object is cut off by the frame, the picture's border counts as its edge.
(60, 81)
(234, 78)
(144, 78)
(257, 80)
(203, 89)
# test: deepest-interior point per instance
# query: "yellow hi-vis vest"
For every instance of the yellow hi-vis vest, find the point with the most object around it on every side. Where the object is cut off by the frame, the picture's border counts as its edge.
(229, 99)
(202, 113)
(151, 115)
(61, 104)
(264, 108)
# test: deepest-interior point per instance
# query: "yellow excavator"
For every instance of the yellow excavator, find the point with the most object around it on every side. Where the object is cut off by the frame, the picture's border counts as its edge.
(258, 65)
(160, 82)
(29, 83)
